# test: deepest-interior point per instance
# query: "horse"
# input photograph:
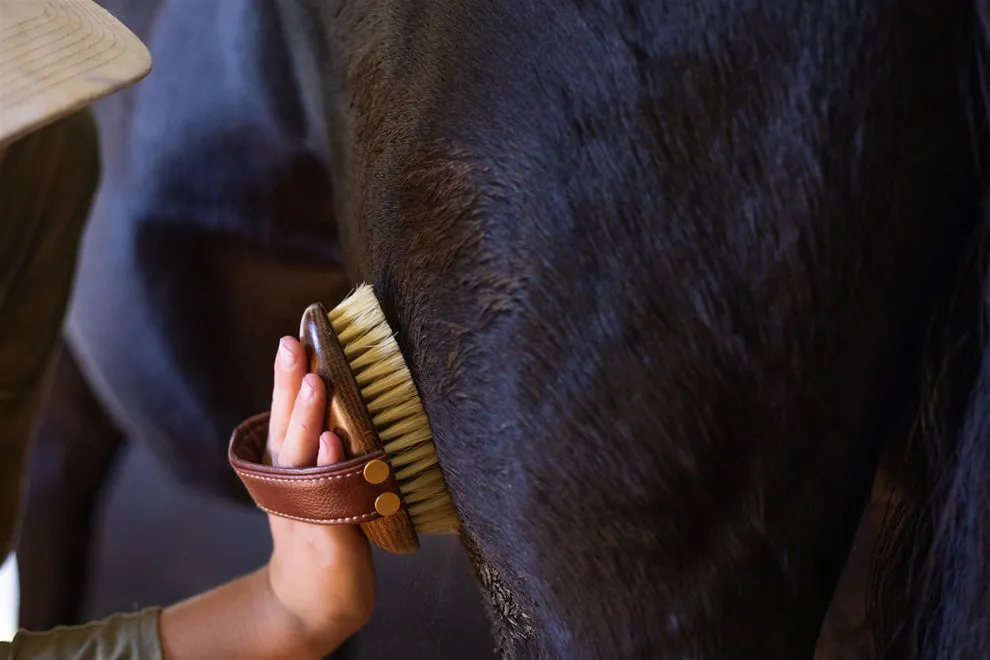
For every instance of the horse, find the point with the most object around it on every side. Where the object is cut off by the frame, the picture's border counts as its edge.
(674, 280)
(671, 277)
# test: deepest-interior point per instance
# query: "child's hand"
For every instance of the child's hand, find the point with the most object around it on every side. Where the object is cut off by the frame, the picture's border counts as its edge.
(318, 588)
(321, 574)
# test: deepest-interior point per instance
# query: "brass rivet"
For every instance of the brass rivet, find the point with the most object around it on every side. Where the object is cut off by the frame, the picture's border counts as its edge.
(376, 471)
(387, 504)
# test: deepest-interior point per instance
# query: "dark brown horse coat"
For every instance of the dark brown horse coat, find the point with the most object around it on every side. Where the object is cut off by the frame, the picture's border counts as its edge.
(665, 274)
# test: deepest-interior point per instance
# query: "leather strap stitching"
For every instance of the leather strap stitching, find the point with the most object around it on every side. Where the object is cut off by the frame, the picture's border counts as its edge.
(286, 480)
(322, 521)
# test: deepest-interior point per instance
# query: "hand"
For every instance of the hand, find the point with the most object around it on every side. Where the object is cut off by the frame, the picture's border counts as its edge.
(318, 588)
(321, 574)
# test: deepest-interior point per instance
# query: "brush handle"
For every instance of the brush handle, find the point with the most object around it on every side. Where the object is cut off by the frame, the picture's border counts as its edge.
(348, 417)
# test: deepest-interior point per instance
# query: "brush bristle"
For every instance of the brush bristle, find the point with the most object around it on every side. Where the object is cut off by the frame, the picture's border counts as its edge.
(395, 408)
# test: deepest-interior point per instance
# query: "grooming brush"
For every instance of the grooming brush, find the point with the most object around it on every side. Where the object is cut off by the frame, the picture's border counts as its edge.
(391, 483)
(391, 415)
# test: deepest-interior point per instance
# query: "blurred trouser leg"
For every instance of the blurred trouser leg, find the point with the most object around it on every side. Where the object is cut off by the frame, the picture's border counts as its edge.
(75, 447)
(47, 181)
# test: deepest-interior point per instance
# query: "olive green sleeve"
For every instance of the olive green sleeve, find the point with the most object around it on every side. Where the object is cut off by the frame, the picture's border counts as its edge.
(119, 637)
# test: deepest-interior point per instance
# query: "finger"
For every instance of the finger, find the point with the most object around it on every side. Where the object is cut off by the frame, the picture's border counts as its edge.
(331, 449)
(290, 367)
(302, 438)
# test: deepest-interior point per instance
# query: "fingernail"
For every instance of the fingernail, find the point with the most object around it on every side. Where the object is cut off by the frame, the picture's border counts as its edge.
(308, 390)
(331, 449)
(286, 353)
(326, 442)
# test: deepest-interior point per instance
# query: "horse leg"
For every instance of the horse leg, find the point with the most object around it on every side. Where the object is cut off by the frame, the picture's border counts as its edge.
(76, 445)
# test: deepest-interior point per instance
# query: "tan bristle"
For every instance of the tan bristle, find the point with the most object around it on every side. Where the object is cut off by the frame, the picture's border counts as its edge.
(385, 383)
(426, 506)
(394, 399)
(397, 412)
(398, 430)
(420, 452)
(393, 413)
(410, 439)
(424, 494)
(366, 374)
(415, 469)
(373, 355)
(360, 343)
(428, 481)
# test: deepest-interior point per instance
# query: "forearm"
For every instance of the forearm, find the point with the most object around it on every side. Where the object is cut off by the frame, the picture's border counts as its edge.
(242, 619)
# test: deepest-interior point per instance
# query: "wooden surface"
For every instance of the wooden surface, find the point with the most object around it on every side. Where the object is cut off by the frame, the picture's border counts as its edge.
(348, 416)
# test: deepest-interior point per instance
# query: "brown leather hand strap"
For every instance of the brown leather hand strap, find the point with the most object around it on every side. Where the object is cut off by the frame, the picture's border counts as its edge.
(343, 493)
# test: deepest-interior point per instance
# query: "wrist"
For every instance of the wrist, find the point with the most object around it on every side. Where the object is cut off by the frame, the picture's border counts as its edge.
(318, 634)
